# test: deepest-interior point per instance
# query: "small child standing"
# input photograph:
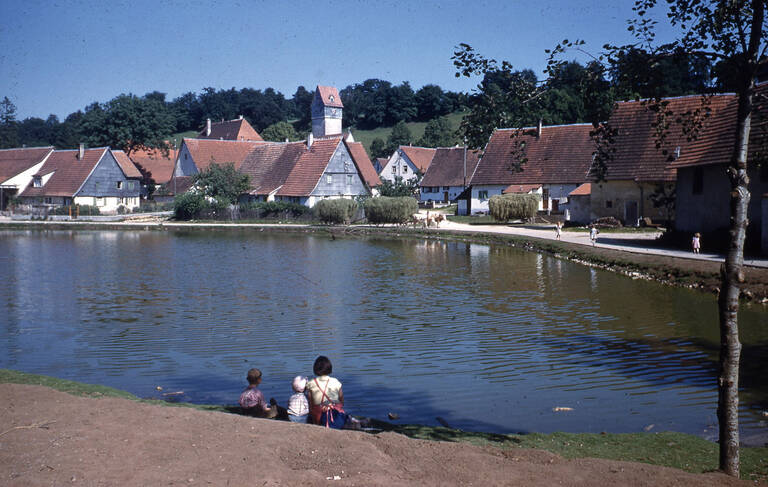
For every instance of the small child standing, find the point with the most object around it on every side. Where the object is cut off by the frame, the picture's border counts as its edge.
(298, 405)
(696, 242)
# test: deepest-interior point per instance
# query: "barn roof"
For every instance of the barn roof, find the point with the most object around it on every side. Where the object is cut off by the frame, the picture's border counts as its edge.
(637, 156)
(421, 157)
(125, 163)
(68, 173)
(363, 163)
(447, 167)
(237, 129)
(15, 161)
(562, 154)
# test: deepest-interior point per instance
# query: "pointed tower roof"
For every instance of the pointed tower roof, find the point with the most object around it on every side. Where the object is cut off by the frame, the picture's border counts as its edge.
(329, 95)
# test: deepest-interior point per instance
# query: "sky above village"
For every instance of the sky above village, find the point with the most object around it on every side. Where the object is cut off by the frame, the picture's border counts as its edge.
(58, 56)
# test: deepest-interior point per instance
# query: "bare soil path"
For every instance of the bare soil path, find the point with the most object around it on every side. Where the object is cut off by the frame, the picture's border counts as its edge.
(49, 437)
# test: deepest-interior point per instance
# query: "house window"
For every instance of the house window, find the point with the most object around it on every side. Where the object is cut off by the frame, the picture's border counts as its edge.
(405, 169)
(349, 179)
(446, 188)
(698, 180)
(37, 181)
(609, 203)
(119, 184)
(48, 200)
(329, 178)
(483, 195)
(131, 185)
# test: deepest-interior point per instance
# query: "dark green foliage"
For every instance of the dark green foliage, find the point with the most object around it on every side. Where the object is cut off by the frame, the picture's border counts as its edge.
(280, 132)
(438, 133)
(189, 205)
(432, 102)
(8, 131)
(386, 209)
(379, 148)
(272, 209)
(222, 182)
(399, 187)
(513, 206)
(400, 135)
(128, 122)
(336, 211)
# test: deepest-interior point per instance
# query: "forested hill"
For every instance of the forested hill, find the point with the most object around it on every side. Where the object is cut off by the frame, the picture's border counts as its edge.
(386, 113)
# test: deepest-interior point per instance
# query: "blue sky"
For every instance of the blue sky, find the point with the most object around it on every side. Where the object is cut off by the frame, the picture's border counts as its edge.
(58, 56)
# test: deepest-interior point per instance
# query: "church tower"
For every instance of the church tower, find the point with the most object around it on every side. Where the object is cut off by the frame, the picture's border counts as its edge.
(326, 112)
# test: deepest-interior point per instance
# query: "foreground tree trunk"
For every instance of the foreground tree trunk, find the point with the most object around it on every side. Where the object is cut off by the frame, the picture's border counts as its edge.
(732, 270)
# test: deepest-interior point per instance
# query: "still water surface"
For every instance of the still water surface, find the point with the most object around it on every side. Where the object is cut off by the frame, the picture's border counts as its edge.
(485, 337)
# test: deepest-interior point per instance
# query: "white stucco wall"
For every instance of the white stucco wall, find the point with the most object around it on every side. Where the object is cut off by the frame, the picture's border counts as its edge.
(399, 165)
(453, 192)
(22, 180)
(480, 205)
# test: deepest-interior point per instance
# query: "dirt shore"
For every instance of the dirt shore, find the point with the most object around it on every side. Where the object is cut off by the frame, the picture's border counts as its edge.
(49, 437)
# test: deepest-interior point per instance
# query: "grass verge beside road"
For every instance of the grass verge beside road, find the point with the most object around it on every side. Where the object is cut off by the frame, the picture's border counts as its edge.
(677, 450)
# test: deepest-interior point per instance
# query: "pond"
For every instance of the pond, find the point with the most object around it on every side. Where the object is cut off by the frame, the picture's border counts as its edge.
(487, 338)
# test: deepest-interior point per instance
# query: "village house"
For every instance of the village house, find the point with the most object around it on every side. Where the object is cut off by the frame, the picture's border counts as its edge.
(702, 185)
(326, 165)
(407, 163)
(237, 129)
(17, 166)
(91, 177)
(448, 174)
(637, 171)
(555, 161)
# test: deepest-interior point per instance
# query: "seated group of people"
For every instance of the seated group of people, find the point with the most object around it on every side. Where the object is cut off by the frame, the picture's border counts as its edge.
(317, 401)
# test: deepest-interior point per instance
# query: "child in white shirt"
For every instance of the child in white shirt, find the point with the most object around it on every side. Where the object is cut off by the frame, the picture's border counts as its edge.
(298, 405)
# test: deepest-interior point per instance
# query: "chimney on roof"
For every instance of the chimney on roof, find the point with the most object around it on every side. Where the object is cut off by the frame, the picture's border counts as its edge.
(208, 127)
(349, 137)
(310, 140)
(81, 152)
(241, 117)
(541, 127)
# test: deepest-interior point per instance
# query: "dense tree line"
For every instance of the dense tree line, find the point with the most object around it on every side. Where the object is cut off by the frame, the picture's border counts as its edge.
(130, 122)
(504, 98)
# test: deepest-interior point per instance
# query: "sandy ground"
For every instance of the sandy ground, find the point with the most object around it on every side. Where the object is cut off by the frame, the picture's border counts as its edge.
(53, 438)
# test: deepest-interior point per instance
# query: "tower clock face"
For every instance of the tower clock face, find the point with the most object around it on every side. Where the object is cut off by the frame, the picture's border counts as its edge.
(334, 113)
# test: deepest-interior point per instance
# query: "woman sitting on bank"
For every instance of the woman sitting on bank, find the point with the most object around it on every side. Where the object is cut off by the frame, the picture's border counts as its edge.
(326, 399)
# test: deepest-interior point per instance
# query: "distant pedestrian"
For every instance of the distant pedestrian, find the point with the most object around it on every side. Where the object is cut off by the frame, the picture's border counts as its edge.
(558, 229)
(696, 242)
(593, 231)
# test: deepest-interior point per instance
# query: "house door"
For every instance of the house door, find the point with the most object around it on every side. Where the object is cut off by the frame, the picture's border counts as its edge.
(445, 196)
(545, 198)
(630, 213)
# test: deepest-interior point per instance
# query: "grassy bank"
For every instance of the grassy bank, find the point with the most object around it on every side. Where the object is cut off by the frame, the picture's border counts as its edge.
(677, 450)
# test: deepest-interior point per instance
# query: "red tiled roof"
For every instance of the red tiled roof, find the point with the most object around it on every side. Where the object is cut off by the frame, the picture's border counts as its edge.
(237, 129)
(15, 161)
(447, 167)
(270, 164)
(421, 157)
(562, 154)
(126, 164)
(329, 96)
(636, 156)
(159, 165)
(206, 151)
(69, 173)
(309, 168)
(383, 161)
(521, 188)
(363, 163)
(715, 144)
(583, 190)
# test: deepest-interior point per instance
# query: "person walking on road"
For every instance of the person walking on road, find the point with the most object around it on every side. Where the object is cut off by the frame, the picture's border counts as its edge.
(593, 231)
(558, 228)
(696, 242)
